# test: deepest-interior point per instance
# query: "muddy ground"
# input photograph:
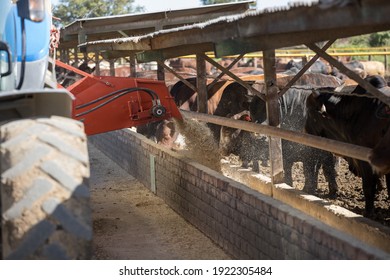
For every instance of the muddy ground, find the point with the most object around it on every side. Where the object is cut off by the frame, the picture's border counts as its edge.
(350, 192)
(350, 195)
(130, 222)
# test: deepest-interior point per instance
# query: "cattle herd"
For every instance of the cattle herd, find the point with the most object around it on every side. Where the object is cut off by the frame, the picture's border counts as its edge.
(315, 105)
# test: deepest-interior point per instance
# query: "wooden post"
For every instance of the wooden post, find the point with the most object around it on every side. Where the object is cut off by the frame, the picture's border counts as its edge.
(201, 84)
(112, 67)
(304, 60)
(273, 115)
(97, 63)
(76, 57)
(160, 72)
(133, 63)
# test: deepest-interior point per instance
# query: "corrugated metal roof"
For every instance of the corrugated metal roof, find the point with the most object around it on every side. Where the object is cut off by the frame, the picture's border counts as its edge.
(259, 30)
(142, 23)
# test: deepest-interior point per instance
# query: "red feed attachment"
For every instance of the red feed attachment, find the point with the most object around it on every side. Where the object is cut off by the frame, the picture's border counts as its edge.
(110, 103)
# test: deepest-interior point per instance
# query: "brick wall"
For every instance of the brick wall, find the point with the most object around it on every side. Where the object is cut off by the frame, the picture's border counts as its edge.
(244, 222)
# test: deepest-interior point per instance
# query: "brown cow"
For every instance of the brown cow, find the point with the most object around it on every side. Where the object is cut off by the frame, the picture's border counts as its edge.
(179, 64)
(374, 68)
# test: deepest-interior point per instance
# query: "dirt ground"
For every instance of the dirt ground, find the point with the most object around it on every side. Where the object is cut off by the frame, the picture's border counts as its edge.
(130, 222)
(350, 191)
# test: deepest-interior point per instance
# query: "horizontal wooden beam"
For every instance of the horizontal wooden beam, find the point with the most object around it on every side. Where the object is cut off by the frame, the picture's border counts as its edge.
(163, 54)
(336, 147)
(115, 54)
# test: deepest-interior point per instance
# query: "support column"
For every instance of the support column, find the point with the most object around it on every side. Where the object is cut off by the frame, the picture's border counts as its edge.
(112, 67)
(133, 63)
(97, 63)
(201, 84)
(76, 56)
(273, 115)
(160, 72)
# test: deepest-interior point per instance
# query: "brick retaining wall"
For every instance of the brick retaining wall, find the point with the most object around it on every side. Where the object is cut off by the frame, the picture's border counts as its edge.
(244, 222)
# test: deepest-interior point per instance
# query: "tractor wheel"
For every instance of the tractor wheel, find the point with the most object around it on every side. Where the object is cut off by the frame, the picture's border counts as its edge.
(45, 197)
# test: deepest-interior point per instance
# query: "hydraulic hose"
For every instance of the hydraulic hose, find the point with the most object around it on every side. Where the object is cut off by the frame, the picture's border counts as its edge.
(118, 93)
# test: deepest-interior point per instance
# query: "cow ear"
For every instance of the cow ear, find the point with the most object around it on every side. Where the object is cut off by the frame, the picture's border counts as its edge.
(314, 103)
(315, 93)
(312, 99)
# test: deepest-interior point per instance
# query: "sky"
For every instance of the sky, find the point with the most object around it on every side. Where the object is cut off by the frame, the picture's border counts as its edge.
(166, 5)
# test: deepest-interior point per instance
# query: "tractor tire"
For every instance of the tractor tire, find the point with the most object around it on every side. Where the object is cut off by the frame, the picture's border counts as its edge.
(44, 190)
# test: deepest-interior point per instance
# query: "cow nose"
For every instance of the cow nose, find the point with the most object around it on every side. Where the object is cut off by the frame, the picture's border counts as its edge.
(249, 98)
(245, 105)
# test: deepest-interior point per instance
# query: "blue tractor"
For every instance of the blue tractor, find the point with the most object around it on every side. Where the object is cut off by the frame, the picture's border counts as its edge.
(44, 167)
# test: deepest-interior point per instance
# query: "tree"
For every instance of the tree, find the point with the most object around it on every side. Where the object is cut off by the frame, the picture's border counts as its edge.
(70, 10)
(379, 39)
(211, 2)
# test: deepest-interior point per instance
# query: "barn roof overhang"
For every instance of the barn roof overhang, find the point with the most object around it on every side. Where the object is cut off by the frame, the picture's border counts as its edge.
(254, 31)
(100, 28)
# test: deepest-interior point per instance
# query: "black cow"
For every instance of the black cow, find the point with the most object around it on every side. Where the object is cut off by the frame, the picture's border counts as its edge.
(380, 155)
(293, 115)
(149, 130)
(356, 120)
(184, 97)
(224, 98)
(66, 77)
(248, 146)
(234, 99)
(317, 67)
(162, 132)
(293, 109)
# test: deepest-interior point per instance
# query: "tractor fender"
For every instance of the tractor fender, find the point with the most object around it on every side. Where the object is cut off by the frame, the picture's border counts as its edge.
(33, 103)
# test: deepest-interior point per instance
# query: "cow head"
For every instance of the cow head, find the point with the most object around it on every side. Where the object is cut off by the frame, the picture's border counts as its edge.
(258, 110)
(235, 99)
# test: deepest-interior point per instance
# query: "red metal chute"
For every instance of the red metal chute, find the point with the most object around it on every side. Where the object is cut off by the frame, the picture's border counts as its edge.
(109, 103)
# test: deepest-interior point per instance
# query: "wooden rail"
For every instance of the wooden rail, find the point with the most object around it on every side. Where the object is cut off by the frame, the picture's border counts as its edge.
(333, 146)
